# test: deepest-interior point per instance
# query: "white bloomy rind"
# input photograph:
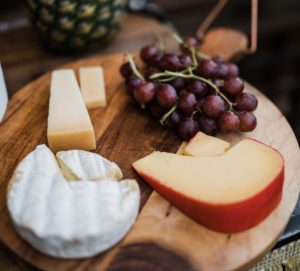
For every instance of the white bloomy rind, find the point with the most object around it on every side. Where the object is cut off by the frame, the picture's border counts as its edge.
(71, 219)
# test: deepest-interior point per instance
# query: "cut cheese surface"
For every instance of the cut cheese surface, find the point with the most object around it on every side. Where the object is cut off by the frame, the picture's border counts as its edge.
(92, 86)
(205, 145)
(240, 173)
(69, 124)
(83, 165)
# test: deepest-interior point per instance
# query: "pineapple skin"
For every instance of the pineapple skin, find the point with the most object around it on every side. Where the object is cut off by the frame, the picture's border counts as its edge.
(73, 25)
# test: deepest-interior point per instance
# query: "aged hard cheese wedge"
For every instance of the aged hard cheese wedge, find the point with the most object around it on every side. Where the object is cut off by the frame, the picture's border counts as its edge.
(92, 86)
(71, 219)
(205, 145)
(69, 124)
(228, 193)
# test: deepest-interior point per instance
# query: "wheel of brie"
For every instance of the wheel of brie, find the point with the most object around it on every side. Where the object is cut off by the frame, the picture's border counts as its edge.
(71, 205)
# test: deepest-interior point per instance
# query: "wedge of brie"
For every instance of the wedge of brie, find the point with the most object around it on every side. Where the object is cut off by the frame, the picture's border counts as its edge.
(71, 219)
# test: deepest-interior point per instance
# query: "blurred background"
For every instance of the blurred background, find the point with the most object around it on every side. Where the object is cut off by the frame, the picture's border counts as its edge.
(274, 69)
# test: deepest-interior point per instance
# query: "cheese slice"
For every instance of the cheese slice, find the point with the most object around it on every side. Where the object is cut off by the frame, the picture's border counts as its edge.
(69, 124)
(92, 86)
(204, 145)
(231, 192)
(71, 218)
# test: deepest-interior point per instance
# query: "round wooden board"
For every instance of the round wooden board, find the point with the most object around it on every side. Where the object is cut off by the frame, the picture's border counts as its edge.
(163, 238)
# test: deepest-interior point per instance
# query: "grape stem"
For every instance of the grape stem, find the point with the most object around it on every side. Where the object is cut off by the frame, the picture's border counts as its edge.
(164, 74)
(165, 116)
(192, 49)
(193, 76)
(133, 67)
(143, 106)
(160, 41)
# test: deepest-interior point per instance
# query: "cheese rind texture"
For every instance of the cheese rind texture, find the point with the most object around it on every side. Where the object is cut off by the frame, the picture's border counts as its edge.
(65, 218)
(205, 145)
(92, 86)
(69, 124)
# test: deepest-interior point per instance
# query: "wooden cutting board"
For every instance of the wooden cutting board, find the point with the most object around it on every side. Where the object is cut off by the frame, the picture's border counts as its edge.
(163, 238)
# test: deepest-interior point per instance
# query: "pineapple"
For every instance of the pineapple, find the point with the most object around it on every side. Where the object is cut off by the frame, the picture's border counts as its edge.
(68, 25)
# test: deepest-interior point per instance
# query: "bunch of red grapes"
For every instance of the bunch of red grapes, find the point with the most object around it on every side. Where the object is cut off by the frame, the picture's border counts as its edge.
(190, 92)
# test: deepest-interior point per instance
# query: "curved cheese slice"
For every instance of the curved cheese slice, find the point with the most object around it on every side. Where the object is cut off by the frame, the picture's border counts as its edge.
(229, 193)
(70, 219)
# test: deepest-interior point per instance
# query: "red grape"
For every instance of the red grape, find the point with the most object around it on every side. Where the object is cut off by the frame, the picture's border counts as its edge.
(174, 119)
(222, 71)
(197, 87)
(156, 110)
(166, 95)
(148, 52)
(245, 102)
(187, 102)
(150, 70)
(191, 41)
(170, 62)
(144, 92)
(125, 70)
(155, 60)
(185, 60)
(178, 83)
(218, 59)
(228, 122)
(188, 41)
(213, 106)
(131, 83)
(233, 86)
(187, 128)
(247, 122)
(233, 70)
(207, 125)
(207, 69)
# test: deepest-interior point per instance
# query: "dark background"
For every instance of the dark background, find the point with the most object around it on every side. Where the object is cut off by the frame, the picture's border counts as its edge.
(274, 69)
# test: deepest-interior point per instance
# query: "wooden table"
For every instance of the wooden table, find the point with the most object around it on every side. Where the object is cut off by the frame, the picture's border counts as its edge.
(23, 59)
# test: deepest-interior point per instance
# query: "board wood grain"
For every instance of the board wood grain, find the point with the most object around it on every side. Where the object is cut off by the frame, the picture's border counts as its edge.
(163, 238)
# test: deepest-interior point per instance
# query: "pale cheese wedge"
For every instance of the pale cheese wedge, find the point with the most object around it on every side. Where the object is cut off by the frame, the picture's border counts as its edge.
(92, 86)
(204, 145)
(69, 124)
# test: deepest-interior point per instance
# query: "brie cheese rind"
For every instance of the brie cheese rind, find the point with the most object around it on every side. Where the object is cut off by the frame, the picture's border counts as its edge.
(70, 219)
(80, 165)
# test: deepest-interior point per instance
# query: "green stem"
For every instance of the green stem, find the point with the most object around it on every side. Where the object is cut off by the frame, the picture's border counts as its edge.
(166, 79)
(165, 116)
(202, 56)
(164, 74)
(134, 68)
(194, 58)
(160, 42)
(177, 37)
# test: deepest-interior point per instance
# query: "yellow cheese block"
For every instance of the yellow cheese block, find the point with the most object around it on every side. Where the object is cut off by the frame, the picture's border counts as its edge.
(204, 145)
(69, 124)
(92, 86)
